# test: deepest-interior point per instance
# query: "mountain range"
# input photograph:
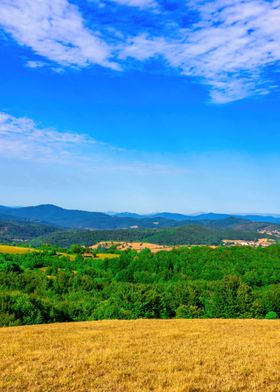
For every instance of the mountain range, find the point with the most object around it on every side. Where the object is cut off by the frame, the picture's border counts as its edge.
(60, 217)
(55, 225)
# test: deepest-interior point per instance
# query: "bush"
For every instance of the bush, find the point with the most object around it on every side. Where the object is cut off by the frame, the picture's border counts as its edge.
(191, 311)
(271, 315)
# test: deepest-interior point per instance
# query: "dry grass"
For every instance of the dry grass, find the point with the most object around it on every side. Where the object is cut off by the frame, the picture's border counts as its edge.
(21, 250)
(15, 249)
(138, 246)
(142, 355)
(107, 255)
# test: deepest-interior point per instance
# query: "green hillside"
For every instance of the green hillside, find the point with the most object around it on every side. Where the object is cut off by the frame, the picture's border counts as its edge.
(236, 282)
(189, 234)
(17, 231)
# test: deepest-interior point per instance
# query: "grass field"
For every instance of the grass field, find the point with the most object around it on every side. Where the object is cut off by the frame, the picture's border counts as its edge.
(15, 249)
(142, 355)
(21, 250)
(138, 246)
(107, 255)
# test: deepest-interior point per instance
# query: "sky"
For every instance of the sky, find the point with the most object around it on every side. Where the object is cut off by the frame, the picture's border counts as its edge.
(140, 105)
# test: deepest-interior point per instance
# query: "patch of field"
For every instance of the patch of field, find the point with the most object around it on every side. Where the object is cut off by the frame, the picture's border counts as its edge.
(21, 250)
(138, 246)
(142, 355)
(106, 255)
(15, 249)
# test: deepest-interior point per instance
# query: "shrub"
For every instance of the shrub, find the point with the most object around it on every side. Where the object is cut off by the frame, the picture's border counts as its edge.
(191, 311)
(271, 315)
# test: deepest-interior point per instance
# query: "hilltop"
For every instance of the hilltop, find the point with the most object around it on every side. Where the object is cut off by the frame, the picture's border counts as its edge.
(58, 226)
(54, 215)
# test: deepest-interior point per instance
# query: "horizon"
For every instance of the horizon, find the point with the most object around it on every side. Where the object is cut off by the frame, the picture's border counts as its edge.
(147, 213)
(141, 105)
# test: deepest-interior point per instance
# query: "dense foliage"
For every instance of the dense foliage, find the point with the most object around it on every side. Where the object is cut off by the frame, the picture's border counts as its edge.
(18, 231)
(198, 282)
(160, 231)
(190, 234)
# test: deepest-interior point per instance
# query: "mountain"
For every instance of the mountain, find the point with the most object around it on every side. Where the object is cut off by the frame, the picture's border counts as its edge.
(214, 217)
(61, 217)
(77, 219)
(262, 218)
(51, 214)
(172, 216)
(128, 215)
(183, 235)
(66, 227)
(21, 230)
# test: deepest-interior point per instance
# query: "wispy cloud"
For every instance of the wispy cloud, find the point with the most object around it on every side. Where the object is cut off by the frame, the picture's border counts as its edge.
(55, 30)
(227, 45)
(35, 64)
(137, 3)
(21, 138)
(24, 140)
(42, 164)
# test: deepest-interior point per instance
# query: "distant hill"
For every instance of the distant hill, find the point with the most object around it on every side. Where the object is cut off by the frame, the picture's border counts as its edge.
(67, 228)
(204, 216)
(173, 216)
(76, 219)
(21, 230)
(128, 215)
(82, 219)
(183, 235)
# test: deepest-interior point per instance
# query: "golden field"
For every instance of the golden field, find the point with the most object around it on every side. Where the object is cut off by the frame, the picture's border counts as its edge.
(142, 355)
(21, 250)
(138, 246)
(15, 249)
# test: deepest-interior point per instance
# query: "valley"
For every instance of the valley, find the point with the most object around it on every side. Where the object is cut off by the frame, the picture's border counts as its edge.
(47, 224)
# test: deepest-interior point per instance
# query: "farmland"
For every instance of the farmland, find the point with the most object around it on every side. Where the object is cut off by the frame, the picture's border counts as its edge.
(9, 249)
(138, 246)
(142, 355)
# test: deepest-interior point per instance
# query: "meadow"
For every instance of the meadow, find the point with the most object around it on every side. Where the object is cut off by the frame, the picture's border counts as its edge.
(9, 249)
(20, 250)
(142, 355)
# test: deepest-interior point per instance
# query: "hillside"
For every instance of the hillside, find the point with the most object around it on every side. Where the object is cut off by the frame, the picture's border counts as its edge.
(77, 219)
(13, 230)
(196, 282)
(58, 216)
(189, 234)
(58, 226)
(142, 356)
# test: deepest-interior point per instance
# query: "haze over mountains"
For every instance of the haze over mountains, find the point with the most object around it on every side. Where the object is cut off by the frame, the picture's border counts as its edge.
(57, 216)
(55, 225)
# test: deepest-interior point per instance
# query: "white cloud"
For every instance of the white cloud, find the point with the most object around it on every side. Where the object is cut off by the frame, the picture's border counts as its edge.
(24, 140)
(228, 48)
(20, 137)
(34, 64)
(55, 30)
(137, 3)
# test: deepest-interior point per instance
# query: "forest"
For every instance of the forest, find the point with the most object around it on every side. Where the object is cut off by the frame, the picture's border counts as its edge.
(206, 231)
(189, 234)
(197, 282)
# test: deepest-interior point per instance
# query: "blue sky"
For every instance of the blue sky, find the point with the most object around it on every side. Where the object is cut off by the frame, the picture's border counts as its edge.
(140, 105)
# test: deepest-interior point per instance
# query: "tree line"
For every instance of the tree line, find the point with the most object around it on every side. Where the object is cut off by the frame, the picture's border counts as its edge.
(197, 282)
